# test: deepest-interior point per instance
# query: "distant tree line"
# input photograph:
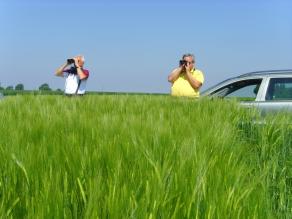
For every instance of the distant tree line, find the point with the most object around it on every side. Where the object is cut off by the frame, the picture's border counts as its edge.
(43, 89)
(20, 87)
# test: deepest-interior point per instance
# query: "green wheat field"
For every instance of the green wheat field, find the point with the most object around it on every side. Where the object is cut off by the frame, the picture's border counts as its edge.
(142, 156)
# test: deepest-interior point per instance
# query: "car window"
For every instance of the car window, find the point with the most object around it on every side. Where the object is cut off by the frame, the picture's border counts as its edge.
(245, 90)
(279, 89)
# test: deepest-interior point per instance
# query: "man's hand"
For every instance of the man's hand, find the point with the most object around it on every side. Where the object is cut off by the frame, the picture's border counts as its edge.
(188, 67)
(181, 69)
(76, 62)
(193, 82)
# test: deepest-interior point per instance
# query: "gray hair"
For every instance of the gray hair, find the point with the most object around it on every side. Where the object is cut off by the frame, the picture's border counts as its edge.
(188, 55)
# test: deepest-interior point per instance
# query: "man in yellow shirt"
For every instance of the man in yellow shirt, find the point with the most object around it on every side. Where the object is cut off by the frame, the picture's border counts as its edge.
(186, 80)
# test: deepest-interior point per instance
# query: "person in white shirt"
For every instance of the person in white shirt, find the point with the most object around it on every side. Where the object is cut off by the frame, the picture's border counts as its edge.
(75, 75)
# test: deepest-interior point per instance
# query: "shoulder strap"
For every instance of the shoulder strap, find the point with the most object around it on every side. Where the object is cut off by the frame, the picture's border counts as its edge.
(79, 82)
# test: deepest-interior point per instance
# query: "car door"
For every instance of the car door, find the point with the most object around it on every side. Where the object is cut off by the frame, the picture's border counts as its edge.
(278, 95)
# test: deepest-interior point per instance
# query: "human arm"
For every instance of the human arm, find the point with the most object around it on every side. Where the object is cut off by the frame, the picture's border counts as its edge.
(81, 72)
(196, 84)
(174, 74)
(59, 71)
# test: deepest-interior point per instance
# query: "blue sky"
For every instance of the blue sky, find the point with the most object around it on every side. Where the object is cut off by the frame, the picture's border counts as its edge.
(131, 46)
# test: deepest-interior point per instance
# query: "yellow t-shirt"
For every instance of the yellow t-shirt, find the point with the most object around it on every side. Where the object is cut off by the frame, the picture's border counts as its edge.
(182, 87)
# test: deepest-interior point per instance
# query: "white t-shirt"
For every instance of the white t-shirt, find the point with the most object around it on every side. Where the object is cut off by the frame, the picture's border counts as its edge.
(72, 80)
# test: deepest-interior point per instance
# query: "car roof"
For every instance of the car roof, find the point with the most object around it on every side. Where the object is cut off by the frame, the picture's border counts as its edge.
(287, 72)
(266, 73)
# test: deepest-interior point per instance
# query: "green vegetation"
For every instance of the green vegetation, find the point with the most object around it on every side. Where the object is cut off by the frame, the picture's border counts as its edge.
(45, 87)
(19, 87)
(60, 92)
(135, 156)
(31, 92)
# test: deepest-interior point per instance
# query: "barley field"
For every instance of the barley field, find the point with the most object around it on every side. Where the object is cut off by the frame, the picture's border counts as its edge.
(142, 156)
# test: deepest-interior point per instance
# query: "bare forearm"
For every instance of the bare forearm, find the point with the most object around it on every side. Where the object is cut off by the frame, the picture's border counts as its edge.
(193, 82)
(59, 71)
(81, 73)
(174, 75)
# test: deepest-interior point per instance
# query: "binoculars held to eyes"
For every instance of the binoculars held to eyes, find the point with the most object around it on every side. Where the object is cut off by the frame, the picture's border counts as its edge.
(70, 61)
(184, 62)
